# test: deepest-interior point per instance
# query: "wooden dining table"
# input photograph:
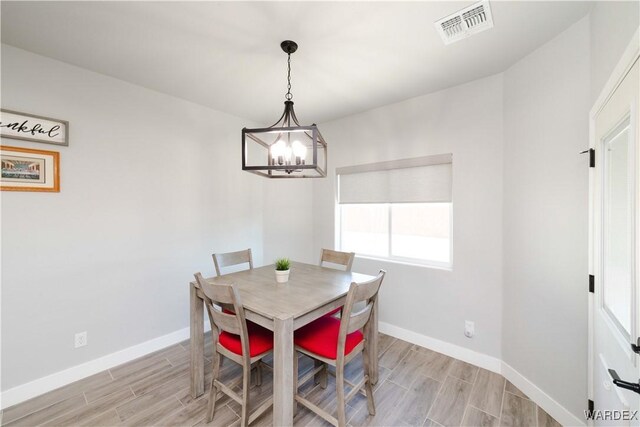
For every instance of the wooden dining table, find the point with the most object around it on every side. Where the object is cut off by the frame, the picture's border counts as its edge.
(311, 292)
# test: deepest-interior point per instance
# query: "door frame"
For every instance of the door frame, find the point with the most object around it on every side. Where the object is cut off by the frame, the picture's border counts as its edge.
(626, 62)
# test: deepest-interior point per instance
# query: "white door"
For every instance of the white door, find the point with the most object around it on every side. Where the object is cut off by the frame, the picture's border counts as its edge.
(615, 262)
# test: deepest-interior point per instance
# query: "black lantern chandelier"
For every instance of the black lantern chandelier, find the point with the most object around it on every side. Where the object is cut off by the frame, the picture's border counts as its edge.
(286, 149)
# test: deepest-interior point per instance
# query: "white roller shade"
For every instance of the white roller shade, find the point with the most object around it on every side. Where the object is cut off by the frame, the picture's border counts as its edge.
(419, 180)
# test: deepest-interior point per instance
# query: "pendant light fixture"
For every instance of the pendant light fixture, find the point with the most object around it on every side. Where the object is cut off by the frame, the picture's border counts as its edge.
(285, 149)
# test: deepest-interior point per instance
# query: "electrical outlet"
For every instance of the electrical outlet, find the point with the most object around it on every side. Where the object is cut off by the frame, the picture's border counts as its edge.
(469, 328)
(81, 339)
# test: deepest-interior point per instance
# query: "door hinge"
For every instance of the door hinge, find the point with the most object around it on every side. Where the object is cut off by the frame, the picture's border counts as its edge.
(592, 157)
(590, 406)
(592, 283)
(590, 410)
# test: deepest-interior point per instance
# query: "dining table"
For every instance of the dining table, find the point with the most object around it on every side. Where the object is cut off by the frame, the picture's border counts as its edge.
(311, 292)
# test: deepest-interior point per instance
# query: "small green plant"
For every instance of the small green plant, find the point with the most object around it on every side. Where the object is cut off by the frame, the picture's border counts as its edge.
(283, 264)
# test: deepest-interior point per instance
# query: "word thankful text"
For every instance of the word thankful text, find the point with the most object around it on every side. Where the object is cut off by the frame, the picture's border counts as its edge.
(33, 128)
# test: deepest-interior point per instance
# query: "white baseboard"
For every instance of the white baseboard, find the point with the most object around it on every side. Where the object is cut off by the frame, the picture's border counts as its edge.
(43, 385)
(542, 399)
(40, 386)
(482, 360)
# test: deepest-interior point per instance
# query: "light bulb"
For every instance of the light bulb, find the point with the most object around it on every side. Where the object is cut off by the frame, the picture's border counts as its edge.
(277, 151)
(299, 150)
(287, 154)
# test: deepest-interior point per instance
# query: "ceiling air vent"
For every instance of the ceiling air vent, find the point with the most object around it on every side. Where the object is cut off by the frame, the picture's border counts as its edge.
(466, 22)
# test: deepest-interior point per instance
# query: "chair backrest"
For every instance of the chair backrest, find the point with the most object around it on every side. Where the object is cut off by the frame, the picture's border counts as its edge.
(366, 292)
(232, 258)
(217, 296)
(336, 257)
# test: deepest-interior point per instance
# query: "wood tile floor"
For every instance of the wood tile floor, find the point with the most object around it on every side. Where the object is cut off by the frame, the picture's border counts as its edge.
(417, 387)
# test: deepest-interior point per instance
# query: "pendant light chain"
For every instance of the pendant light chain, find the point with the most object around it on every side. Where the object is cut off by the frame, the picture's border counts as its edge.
(288, 95)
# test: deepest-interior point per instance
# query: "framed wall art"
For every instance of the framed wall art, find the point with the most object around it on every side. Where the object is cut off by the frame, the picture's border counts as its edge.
(24, 169)
(29, 127)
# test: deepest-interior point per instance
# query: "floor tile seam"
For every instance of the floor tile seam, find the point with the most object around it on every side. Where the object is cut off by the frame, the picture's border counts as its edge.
(436, 399)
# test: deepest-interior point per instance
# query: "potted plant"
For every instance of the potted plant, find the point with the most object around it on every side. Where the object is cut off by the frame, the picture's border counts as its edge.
(282, 270)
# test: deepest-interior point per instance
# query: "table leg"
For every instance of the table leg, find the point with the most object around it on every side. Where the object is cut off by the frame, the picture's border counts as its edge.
(283, 355)
(373, 342)
(197, 342)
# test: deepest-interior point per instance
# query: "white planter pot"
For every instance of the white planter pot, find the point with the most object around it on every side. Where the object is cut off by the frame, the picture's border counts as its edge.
(282, 276)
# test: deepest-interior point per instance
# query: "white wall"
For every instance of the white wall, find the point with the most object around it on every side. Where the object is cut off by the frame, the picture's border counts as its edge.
(150, 186)
(546, 105)
(466, 121)
(288, 220)
(613, 24)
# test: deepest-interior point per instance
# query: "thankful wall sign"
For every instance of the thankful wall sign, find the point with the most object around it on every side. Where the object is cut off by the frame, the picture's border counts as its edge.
(29, 127)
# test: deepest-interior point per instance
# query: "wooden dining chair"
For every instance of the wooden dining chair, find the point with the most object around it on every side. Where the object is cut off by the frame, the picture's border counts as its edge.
(232, 258)
(243, 342)
(337, 257)
(336, 342)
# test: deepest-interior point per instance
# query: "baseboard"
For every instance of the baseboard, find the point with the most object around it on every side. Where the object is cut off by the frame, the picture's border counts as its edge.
(51, 382)
(542, 399)
(482, 360)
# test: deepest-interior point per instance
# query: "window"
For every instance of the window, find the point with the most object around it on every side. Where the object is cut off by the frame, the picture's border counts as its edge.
(398, 210)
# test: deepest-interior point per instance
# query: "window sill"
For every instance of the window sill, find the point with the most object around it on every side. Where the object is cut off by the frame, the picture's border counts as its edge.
(441, 267)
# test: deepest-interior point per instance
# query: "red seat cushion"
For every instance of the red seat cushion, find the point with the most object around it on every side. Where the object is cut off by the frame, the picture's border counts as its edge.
(260, 340)
(321, 337)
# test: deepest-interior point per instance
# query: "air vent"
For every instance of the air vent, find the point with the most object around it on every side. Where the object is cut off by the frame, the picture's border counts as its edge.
(465, 23)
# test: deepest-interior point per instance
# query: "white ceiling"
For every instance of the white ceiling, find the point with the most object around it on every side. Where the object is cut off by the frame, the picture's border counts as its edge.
(353, 56)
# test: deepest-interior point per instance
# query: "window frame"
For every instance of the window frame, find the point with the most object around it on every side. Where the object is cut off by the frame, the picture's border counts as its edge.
(394, 258)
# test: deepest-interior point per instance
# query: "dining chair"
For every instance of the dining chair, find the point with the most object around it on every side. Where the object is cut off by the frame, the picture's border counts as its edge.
(336, 342)
(229, 259)
(243, 342)
(232, 258)
(337, 257)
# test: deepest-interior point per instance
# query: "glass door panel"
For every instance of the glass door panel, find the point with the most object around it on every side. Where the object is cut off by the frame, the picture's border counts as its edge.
(618, 226)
